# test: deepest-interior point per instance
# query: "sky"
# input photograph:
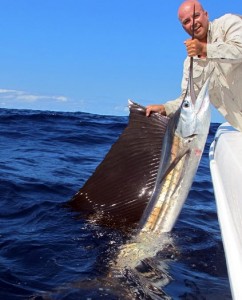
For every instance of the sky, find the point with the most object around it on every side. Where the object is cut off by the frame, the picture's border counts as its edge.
(93, 55)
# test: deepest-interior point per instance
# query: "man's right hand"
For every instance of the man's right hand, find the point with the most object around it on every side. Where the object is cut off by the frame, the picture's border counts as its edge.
(196, 47)
(159, 108)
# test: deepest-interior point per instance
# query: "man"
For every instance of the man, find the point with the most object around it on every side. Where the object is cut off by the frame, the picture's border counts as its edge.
(217, 46)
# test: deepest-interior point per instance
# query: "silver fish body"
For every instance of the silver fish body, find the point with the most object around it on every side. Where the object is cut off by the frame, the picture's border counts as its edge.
(183, 146)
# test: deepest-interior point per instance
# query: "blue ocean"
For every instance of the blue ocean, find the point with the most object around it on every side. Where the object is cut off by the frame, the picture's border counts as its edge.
(48, 251)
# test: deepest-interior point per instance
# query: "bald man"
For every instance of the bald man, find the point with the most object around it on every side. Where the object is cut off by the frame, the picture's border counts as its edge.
(217, 47)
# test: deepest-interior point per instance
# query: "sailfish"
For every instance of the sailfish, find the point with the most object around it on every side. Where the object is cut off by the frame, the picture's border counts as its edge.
(143, 181)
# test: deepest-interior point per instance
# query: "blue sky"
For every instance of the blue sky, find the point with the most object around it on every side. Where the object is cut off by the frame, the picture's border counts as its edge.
(93, 55)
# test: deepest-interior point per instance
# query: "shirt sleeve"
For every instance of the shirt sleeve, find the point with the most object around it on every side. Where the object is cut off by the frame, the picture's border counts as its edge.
(172, 105)
(228, 46)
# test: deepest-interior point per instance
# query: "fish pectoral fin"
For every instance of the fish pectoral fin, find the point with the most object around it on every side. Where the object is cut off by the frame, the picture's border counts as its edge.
(174, 161)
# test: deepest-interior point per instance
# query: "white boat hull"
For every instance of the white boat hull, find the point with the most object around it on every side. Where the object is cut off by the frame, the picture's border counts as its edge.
(226, 169)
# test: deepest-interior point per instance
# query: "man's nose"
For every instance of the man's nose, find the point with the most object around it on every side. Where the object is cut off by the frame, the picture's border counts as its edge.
(193, 26)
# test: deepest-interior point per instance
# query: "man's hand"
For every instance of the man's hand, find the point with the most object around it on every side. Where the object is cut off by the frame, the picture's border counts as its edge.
(155, 108)
(195, 47)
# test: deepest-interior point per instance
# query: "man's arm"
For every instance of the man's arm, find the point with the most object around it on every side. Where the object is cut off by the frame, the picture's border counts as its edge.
(168, 108)
(173, 105)
(230, 49)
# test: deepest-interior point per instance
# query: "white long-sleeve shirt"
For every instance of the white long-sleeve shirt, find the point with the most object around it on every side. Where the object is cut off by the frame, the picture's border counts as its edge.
(224, 56)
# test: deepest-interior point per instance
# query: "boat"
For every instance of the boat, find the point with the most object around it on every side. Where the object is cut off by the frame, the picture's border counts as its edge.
(225, 156)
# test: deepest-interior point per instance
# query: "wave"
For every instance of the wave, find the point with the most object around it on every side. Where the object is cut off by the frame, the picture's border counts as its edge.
(49, 252)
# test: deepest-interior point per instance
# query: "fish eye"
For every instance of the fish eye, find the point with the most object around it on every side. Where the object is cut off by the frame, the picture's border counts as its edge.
(186, 104)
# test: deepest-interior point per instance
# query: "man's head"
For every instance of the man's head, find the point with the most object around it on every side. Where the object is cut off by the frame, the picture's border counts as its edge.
(185, 15)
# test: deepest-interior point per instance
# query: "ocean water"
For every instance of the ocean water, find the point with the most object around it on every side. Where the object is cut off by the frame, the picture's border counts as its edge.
(48, 251)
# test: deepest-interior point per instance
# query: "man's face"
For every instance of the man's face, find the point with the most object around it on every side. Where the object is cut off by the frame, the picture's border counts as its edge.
(200, 22)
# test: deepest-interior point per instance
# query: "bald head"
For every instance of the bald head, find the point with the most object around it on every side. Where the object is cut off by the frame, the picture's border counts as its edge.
(187, 5)
(185, 15)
